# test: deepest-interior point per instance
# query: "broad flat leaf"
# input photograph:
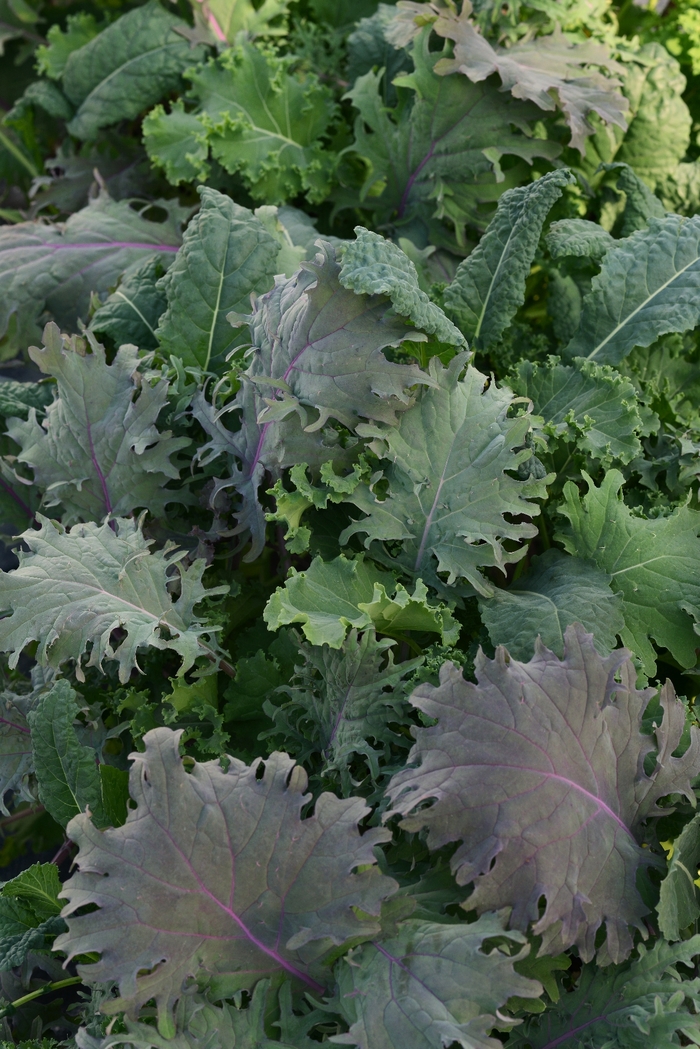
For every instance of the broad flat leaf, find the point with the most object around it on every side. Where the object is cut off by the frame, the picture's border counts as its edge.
(538, 772)
(126, 68)
(56, 267)
(75, 586)
(257, 677)
(648, 284)
(448, 490)
(646, 1002)
(131, 313)
(201, 1025)
(251, 451)
(98, 451)
(226, 257)
(556, 591)
(578, 237)
(319, 344)
(640, 203)
(589, 404)
(368, 48)
(330, 597)
(650, 562)
(372, 265)
(342, 703)
(66, 771)
(171, 902)
(433, 985)
(489, 285)
(440, 158)
(679, 897)
(540, 69)
(258, 118)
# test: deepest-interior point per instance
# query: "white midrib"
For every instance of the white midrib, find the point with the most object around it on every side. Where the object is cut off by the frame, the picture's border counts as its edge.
(642, 305)
(137, 311)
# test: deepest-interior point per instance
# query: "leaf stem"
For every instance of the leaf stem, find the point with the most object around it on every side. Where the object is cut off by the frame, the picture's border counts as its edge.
(8, 1010)
(18, 154)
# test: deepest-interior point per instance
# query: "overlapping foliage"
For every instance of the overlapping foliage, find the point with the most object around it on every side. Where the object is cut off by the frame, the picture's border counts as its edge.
(349, 480)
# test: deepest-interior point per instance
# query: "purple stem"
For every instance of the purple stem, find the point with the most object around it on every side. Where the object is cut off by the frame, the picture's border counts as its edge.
(20, 502)
(98, 469)
(20, 728)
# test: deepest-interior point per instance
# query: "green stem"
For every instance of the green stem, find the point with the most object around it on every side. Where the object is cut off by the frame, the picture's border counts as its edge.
(18, 154)
(543, 533)
(8, 1010)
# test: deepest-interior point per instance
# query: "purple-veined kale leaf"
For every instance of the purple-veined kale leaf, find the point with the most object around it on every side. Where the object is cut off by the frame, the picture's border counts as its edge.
(98, 452)
(216, 870)
(538, 771)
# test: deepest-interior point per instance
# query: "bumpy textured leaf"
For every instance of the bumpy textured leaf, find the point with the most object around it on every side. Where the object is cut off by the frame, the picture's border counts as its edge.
(16, 762)
(651, 563)
(578, 237)
(448, 491)
(645, 1002)
(489, 285)
(432, 986)
(67, 773)
(555, 592)
(38, 887)
(640, 203)
(586, 403)
(226, 256)
(649, 284)
(343, 703)
(372, 265)
(131, 313)
(75, 586)
(538, 772)
(98, 451)
(659, 118)
(679, 897)
(440, 157)
(320, 345)
(330, 597)
(258, 118)
(177, 142)
(56, 267)
(128, 67)
(216, 869)
(540, 68)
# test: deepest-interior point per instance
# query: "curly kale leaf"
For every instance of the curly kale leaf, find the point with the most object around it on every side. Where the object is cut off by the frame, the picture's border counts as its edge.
(75, 587)
(644, 1002)
(344, 703)
(439, 157)
(449, 485)
(258, 118)
(98, 450)
(538, 772)
(650, 562)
